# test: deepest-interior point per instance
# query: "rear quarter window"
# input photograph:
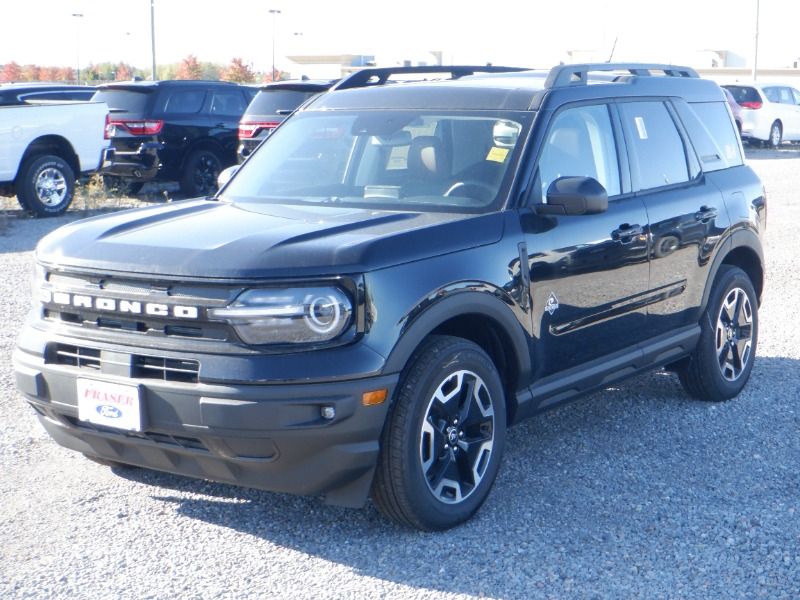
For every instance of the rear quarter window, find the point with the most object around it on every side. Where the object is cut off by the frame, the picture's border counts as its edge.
(182, 102)
(712, 133)
(270, 102)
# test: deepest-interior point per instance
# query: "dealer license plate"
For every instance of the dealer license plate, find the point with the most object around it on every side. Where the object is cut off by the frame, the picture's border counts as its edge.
(110, 404)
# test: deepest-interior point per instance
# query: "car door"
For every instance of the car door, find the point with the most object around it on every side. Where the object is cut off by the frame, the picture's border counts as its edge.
(181, 109)
(587, 272)
(685, 209)
(793, 108)
(224, 108)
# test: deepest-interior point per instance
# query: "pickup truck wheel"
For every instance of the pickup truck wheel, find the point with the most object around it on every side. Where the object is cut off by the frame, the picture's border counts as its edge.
(720, 365)
(200, 173)
(442, 444)
(45, 185)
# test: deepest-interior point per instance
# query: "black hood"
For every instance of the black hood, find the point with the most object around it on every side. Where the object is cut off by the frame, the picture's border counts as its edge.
(217, 239)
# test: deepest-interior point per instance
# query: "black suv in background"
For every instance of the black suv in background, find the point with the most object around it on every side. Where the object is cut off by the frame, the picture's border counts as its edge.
(271, 105)
(397, 274)
(182, 131)
(13, 94)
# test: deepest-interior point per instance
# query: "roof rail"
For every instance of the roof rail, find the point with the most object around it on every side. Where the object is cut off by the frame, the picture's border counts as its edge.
(380, 75)
(566, 75)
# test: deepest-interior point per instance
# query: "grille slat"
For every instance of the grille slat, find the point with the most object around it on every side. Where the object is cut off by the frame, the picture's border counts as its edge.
(142, 367)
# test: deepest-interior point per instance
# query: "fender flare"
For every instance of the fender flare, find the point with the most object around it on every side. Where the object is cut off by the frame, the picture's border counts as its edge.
(741, 238)
(459, 303)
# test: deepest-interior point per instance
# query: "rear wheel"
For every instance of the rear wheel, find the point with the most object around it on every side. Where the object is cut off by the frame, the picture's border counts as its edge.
(45, 185)
(443, 442)
(775, 135)
(721, 363)
(200, 173)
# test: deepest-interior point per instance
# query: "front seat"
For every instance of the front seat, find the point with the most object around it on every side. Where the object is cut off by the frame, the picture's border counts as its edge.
(428, 167)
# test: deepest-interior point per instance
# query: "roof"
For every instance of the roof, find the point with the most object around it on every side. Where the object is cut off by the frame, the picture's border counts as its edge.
(512, 89)
(150, 85)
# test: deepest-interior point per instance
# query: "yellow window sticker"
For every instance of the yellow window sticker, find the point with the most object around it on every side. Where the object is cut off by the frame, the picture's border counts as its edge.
(497, 154)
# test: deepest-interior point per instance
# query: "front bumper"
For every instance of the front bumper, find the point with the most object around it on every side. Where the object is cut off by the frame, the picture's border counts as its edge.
(271, 437)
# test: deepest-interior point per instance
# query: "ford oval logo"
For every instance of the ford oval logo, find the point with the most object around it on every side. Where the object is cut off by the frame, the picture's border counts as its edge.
(109, 412)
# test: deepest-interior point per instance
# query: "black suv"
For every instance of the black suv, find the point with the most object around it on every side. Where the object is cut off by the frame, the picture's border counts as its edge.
(398, 274)
(271, 105)
(13, 94)
(181, 131)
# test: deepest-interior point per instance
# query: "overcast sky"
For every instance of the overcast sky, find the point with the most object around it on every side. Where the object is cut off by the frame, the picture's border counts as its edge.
(529, 32)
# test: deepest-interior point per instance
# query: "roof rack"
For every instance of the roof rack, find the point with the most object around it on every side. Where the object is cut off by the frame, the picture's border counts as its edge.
(380, 75)
(566, 75)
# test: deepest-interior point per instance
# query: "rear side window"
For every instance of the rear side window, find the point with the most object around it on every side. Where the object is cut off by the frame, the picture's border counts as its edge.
(183, 102)
(227, 103)
(123, 101)
(743, 93)
(713, 134)
(657, 154)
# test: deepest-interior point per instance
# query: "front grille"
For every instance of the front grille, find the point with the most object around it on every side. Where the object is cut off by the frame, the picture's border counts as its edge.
(76, 356)
(166, 369)
(127, 365)
(162, 439)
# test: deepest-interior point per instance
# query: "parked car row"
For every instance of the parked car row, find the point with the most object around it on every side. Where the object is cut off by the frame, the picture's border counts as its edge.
(770, 113)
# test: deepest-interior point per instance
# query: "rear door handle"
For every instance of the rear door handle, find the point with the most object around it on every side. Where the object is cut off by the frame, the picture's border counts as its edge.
(626, 233)
(705, 214)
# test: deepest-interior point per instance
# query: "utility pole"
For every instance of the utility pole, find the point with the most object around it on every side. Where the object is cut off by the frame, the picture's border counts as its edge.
(153, 35)
(78, 17)
(755, 52)
(274, 12)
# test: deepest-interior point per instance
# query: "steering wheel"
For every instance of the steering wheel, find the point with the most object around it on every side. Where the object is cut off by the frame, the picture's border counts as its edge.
(472, 188)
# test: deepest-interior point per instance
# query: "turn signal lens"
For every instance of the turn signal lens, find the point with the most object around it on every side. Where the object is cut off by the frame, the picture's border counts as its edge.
(374, 397)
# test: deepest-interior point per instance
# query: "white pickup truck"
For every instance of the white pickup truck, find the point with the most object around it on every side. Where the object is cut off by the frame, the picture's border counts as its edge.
(45, 147)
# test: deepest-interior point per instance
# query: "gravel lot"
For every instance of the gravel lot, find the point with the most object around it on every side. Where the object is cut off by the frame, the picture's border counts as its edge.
(633, 492)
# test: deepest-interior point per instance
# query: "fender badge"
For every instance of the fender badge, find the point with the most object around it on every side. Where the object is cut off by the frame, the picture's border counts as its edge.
(552, 304)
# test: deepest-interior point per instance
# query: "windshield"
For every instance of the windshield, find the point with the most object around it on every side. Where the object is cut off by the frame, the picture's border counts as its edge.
(395, 160)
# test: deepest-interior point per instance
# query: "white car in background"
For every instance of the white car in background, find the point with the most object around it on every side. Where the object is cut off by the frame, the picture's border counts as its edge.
(770, 111)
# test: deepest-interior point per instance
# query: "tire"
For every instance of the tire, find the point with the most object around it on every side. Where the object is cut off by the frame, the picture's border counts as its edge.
(775, 135)
(200, 172)
(45, 185)
(443, 441)
(122, 185)
(721, 363)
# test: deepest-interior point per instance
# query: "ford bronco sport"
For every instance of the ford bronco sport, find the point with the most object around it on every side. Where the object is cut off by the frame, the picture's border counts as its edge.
(399, 273)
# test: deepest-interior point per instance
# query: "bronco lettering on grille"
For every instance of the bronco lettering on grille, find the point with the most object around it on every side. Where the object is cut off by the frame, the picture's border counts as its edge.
(133, 307)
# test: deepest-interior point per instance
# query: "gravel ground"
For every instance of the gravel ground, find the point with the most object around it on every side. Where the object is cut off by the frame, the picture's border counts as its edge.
(634, 492)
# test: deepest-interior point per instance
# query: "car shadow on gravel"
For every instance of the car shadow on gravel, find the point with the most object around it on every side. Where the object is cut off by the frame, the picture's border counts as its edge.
(634, 487)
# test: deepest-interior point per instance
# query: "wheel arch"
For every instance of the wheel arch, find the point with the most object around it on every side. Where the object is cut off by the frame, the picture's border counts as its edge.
(744, 250)
(481, 318)
(55, 145)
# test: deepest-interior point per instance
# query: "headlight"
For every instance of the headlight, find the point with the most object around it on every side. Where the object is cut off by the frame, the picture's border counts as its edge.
(289, 315)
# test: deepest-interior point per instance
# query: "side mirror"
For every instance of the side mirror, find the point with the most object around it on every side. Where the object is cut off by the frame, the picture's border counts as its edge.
(225, 176)
(575, 196)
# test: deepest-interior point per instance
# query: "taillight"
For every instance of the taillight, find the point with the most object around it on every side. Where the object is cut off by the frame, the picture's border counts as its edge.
(250, 129)
(755, 105)
(134, 127)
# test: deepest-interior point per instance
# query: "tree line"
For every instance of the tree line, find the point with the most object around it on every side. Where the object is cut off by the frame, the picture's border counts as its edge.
(188, 68)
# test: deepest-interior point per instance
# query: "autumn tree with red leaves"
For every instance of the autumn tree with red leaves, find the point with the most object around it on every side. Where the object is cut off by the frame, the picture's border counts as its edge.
(189, 68)
(11, 72)
(238, 71)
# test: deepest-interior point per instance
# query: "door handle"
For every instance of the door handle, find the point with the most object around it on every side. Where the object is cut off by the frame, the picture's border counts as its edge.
(626, 233)
(706, 214)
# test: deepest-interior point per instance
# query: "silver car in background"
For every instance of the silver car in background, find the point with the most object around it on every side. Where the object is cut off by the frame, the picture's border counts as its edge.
(770, 112)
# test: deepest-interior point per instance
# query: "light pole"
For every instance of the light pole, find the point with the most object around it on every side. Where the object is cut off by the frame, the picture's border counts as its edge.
(274, 12)
(78, 17)
(755, 52)
(153, 35)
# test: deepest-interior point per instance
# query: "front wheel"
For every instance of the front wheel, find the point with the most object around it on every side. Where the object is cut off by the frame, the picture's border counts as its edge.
(443, 442)
(200, 172)
(720, 365)
(45, 185)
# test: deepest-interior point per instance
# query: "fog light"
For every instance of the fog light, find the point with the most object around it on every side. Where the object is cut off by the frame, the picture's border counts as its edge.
(374, 397)
(327, 412)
